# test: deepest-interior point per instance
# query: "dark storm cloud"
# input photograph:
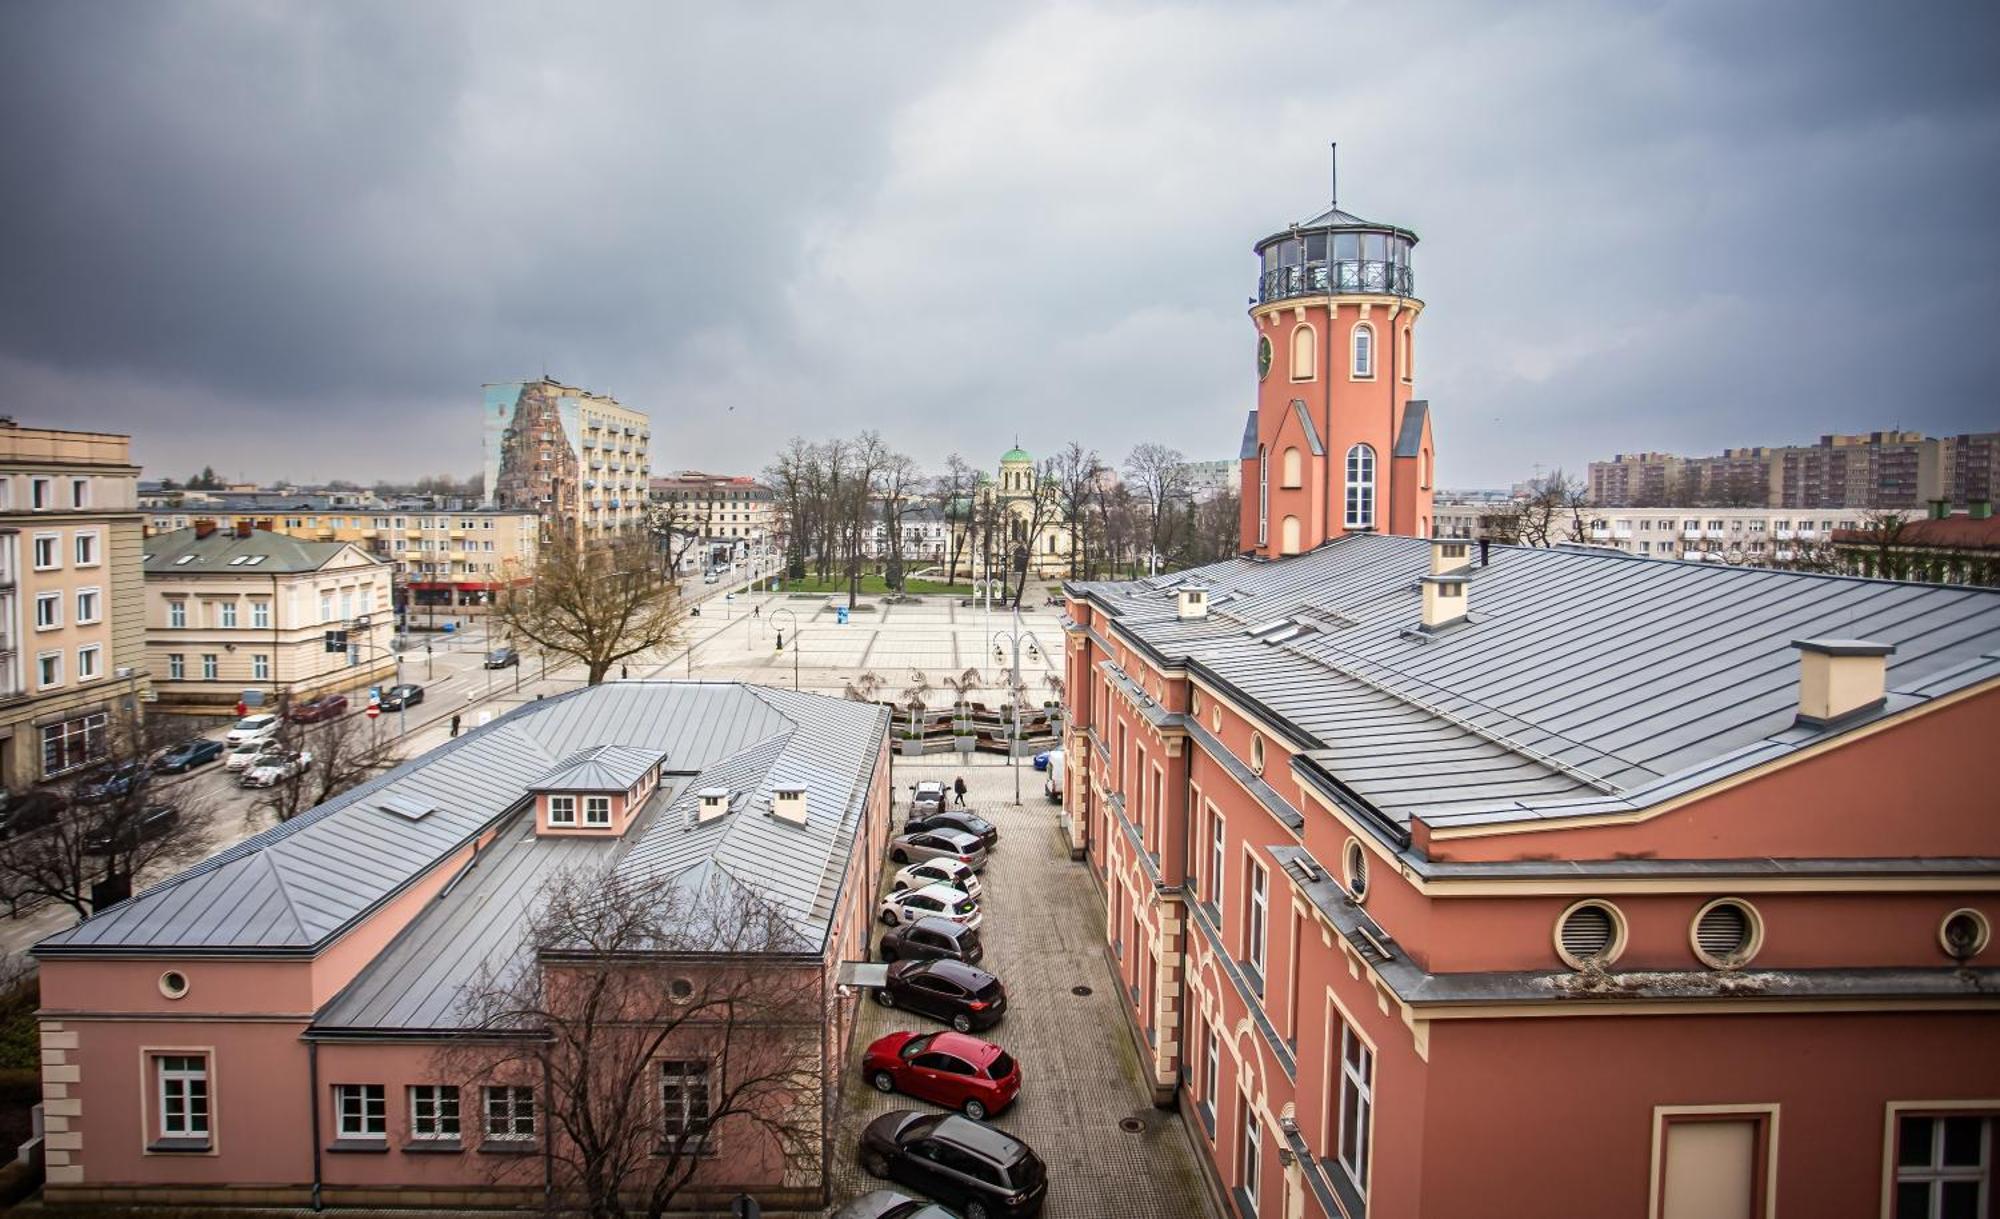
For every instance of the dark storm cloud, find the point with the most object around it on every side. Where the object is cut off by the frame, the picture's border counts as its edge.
(293, 240)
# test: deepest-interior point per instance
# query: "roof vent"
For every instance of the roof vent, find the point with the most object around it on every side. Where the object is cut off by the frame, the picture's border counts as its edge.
(406, 807)
(1449, 554)
(713, 802)
(1444, 600)
(1841, 677)
(788, 803)
(1193, 602)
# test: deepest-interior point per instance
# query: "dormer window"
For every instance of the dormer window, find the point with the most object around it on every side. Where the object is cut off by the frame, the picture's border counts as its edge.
(562, 810)
(596, 811)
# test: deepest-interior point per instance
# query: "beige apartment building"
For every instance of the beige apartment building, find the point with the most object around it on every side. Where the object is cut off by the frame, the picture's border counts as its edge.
(729, 515)
(579, 459)
(71, 637)
(234, 610)
(444, 561)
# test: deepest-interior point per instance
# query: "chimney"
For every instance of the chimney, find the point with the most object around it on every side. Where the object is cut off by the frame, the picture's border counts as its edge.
(1940, 509)
(1448, 554)
(1444, 600)
(1980, 509)
(714, 803)
(1840, 677)
(1485, 552)
(203, 528)
(788, 802)
(1193, 602)
(242, 529)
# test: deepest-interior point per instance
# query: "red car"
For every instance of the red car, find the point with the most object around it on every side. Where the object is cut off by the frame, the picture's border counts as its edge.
(325, 707)
(949, 1069)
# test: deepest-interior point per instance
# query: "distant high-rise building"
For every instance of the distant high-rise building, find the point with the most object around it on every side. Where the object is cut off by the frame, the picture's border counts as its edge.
(1865, 470)
(579, 459)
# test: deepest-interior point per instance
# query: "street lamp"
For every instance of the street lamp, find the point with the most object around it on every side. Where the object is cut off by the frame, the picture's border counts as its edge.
(795, 641)
(1015, 637)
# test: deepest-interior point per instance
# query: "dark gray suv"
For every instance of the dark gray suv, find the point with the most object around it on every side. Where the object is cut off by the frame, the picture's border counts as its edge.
(932, 939)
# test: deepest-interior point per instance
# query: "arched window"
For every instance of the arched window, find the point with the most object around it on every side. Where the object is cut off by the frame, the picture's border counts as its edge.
(1364, 351)
(1403, 354)
(1305, 352)
(1292, 473)
(1424, 469)
(1361, 487)
(1288, 536)
(1263, 495)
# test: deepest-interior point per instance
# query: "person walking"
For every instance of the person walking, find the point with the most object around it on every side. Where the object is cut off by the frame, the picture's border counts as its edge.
(454, 723)
(958, 790)
(624, 672)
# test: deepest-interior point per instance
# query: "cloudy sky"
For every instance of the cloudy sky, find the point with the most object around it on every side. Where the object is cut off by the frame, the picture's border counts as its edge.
(294, 239)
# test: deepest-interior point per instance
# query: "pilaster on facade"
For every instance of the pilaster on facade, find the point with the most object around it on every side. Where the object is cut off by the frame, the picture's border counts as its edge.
(62, 1144)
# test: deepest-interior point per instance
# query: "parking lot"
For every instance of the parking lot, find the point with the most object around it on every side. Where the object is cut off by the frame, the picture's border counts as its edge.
(1043, 937)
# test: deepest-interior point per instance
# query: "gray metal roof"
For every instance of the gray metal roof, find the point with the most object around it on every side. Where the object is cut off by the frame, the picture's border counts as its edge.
(1583, 682)
(1410, 439)
(295, 887)
(181, 553)
(1305, 418)
(602, 768)
(1249, 449)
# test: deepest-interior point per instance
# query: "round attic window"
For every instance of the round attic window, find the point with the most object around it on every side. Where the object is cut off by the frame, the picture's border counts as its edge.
(1590, 933)
(1964, 934)
(1726, 933)
(1214, 718)
(174, 984)
(681, 989)
(1257, 752)
(1355, 858)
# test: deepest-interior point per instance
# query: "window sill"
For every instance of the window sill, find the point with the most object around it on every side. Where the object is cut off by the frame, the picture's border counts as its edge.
(1207, 1112)
(433, 1147)
(1254, 978)
(1244, 1206)
(179, 1147)
(510, 1147)
(359, 1146)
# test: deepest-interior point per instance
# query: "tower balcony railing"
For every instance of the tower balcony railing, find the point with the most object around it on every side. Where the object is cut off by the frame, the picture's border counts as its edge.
(1357, 276)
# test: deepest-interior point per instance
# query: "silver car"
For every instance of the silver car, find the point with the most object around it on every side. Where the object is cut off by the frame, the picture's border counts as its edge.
(939, 844)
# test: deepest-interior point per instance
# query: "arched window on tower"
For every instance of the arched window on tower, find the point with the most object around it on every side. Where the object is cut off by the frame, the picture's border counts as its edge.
(1292, 471)
(1423, 469)
(1305, 352)
(1364, 352)
(1288, 536)
(1263, 495)
(1403, 356)
(1360, 487)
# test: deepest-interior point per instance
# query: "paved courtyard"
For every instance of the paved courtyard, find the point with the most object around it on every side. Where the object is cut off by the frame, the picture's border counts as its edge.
(1043, 937)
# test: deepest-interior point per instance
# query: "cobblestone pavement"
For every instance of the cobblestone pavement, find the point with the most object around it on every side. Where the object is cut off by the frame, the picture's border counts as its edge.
(1043, 936)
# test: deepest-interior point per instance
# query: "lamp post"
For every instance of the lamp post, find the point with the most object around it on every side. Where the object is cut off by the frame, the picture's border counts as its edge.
(795, 640)
(1014, 687)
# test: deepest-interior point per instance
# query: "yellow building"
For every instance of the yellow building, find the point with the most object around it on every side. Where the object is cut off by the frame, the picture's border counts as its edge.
(1031, 524)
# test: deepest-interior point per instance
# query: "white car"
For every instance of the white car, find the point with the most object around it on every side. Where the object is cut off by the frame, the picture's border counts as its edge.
(242, 757)
(252, 729)
(940, 871)
(271, 769)
(931, 901)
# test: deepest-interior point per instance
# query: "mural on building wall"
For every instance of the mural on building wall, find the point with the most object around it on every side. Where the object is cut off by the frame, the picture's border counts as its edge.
(532, 431)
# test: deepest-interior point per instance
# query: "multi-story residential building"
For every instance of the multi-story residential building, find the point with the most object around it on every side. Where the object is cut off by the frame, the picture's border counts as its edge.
(1426, 870)
(285, 1024)
(241, 609)
(579, 459)
(729, 516)
(926, 537)
(459, 559)
(1865, 470)
(1204, 480)
(1759, 537)
(72, 664)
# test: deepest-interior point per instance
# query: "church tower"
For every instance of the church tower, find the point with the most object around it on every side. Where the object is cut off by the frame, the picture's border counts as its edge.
(1336, 444)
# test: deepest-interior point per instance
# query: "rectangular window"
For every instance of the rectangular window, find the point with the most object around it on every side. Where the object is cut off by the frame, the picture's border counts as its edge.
(48, 611)
(177, 613)
(562, 810)
(208, 666)
(47, 557)
(89, 606)
(260, 614)
(90, 662)
(48, 670)
(684, 1101)
(597, 810)
(86, 549)
(1944, 1165)
(79, 493)
(176, 666)
(434, 1111)
(73, 743)
(326, 606)
(361, 1111)
(1253, 1154)
(1211, 1068)
(260, 666)
(1215, 858)
(42, 494)
(225, 614)
(510, 1113)
(1259, 912)
(182, 1096)
(1357, 1104)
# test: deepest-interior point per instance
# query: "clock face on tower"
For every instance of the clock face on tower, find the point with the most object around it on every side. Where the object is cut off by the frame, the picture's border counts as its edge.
(1263, 356)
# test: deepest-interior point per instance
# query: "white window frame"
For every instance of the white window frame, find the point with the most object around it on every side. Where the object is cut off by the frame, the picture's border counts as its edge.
(434, 1113)
(260, 666)
(89, 606)
(79, 492)
(1211, 1065)
(677, 1111)
(1362, 355)
(48, 670)
(1218, 857)
(1935, 1174)
(51, 545)
(41, 494)
(1250, 1152)
(176, 666)
(260, 613)
(182, 1096)
(52, 620)
(90, 662)
(225, 615)
(1357, 1079)
(371, 1108)
(1359, 503)
(507, 1107)
(1257, 935)
(177, 613)
(86, 548)
(1263, 495)
(593, 806)
(562, 810)
(210, 666)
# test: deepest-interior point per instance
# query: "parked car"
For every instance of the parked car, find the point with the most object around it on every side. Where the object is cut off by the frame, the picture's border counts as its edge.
(957, 819)
(1052, 786)
(273, 768)
(251, 729)
(888, 1204)
(984, 1172)
(930, 939)
(28, 810)
(961, 995)
(193, 752)
(113, 783)
(500, 658)
(241, 757)
(939, 871)
(927, 797)
(395, 698)
(151, 822)
(931, 901)
(938, 844)
(325, 707)
(951, 1069)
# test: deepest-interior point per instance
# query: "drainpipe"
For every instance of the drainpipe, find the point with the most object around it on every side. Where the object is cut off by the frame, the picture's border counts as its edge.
(826, 1084)
(312, 1079)
(548, 1141)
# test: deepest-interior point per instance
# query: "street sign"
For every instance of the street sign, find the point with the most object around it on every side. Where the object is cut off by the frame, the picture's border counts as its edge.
(374, 709)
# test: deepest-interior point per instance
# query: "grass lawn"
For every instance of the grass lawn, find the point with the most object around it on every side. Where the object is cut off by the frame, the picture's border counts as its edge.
(872, 584)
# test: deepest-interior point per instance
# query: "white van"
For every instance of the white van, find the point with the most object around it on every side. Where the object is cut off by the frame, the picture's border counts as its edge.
(1052, 785)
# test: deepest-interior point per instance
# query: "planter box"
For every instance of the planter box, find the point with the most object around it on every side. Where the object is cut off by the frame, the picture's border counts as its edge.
(964, 744)
(911, 749)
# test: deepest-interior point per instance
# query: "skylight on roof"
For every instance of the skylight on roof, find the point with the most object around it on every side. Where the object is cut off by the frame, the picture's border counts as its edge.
(186, 558)
(406, 807)
(1267, 628)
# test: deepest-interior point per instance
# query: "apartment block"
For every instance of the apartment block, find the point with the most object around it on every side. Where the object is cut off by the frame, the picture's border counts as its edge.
(1890, 469)
(1758, 537)
(732, 515)
(72, 662)
(579, 459)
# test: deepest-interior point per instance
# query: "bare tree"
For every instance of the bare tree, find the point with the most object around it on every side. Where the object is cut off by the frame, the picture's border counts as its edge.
(597, 602)
(952, 492)
(1077, 474)
(677, 524)
(86, 840)
(660, 1026)
(335, 755)
(1157, 475)
(1552, 512)
(902, 495)
(1214, 529)
(1039, 510)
